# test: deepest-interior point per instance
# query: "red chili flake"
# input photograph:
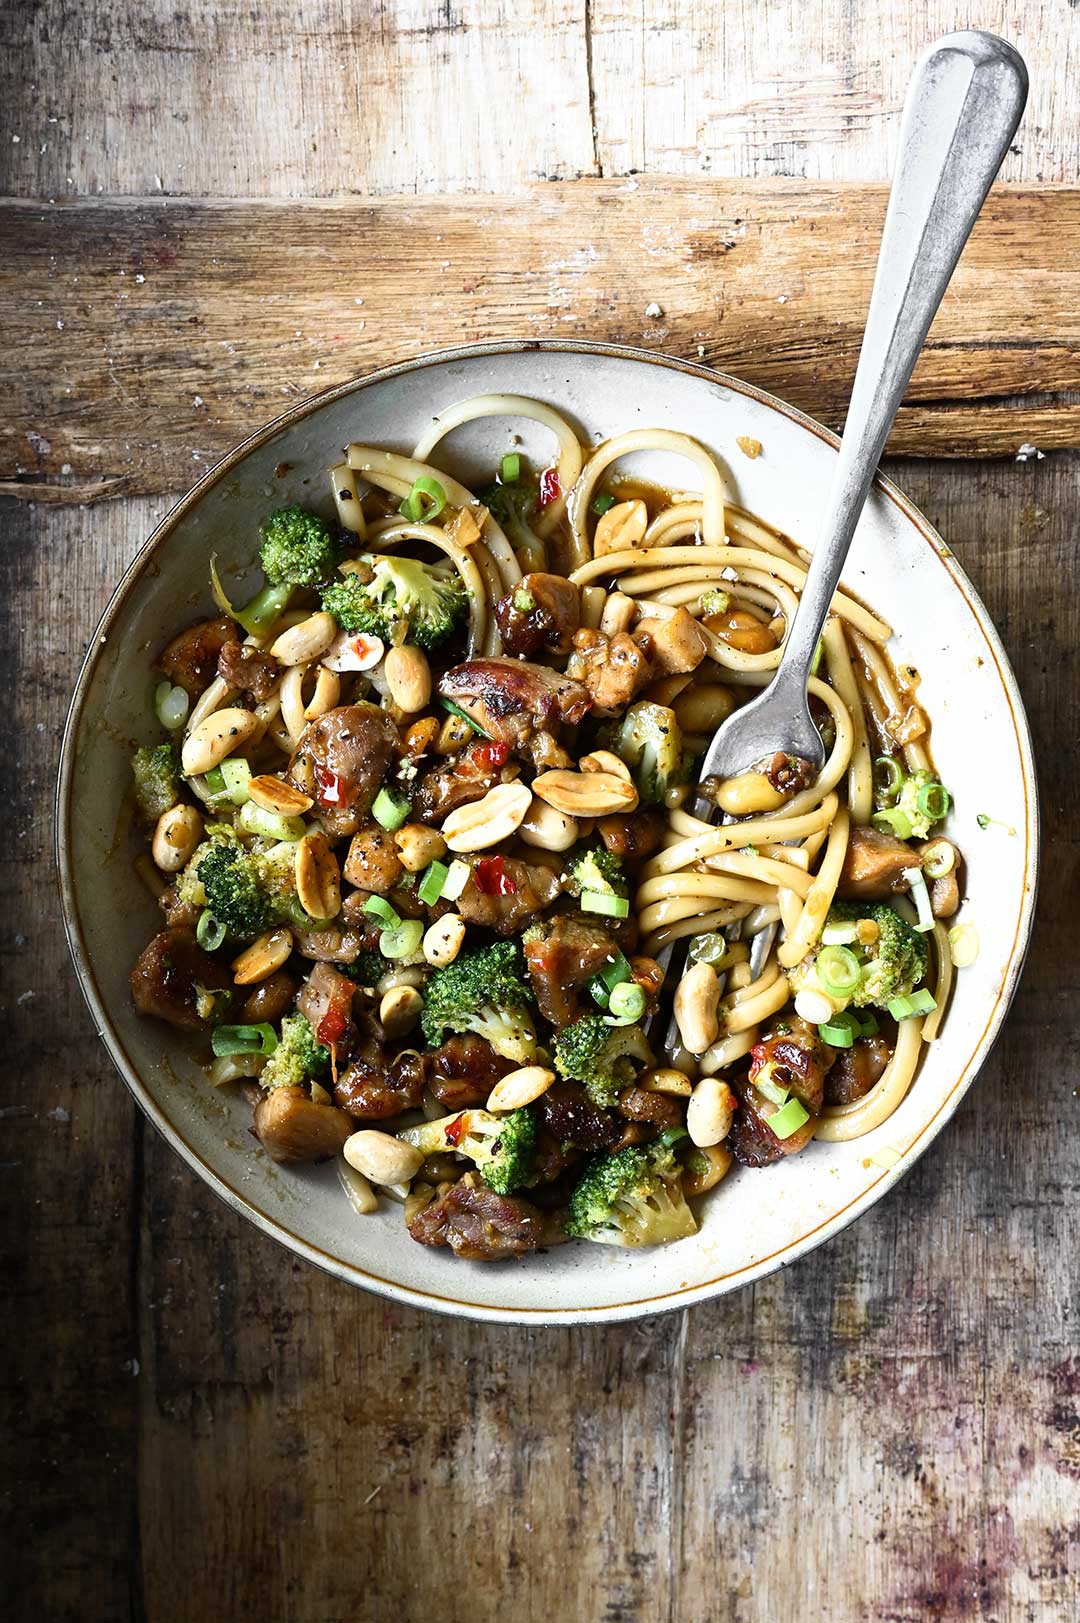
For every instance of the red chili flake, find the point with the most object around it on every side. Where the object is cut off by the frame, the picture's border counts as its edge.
(331, 789)
(494, 753)
(550, 488)
(453, 1130)
(759, 1056)
(332, 1027)
(490, 879)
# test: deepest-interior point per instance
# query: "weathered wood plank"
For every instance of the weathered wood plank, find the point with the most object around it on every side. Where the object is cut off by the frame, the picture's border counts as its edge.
(158, 334)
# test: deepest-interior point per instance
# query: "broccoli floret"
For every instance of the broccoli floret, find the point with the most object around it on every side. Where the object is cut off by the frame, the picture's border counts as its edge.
(907, 802)
(603, 1057)
(633, 1197)
(297, 1057)
(594, 869)
(298, 548)
(500, 1147)
(248, 888)
(649, 740)
(401, 592)
(513, 506)
(893, 964)
(156, 770)
(367, 968)
(485, 992)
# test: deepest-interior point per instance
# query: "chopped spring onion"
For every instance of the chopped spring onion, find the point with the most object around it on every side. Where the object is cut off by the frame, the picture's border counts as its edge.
(672, 1136)
(425, 501)
(226, 1040)
(236, 775)
(888, 776)
(627, 1001)
(171, 706)
(708, 948)
(215, 781)
(939, 859)
(892, 821)
(271, 825)
(613, 975)
(838, 970)
(523, 600)
(840, 935)
(457, 877)
(601, 901)
(456, 710)
(209, 932)
(264, 609)
(391, 808)
(769, 1089)
(816, 661)
(433, 883)
(841, 1031)
(788, 1119)
(920, 1002)
(816, 1007)
(963, 945)
(602, 504)
(510, 469)
(921, 897)
(868, 1025)
(403, 940)
(933, 801)
(376, 907)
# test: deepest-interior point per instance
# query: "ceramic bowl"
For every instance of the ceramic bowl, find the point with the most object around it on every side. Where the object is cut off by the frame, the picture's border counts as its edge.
(755, 1221)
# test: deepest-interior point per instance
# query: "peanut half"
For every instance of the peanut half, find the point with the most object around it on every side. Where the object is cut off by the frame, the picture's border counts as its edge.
(277, 795)
(318, 877)
(585, 794)
(498, 815)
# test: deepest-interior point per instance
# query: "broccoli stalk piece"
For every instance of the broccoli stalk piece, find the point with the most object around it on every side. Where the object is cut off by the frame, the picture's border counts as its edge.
(500, 1147)
(297, 1058)
(649, 740)
(596, 869)
(485, 992)
(602, 1057)
(248, 888)
(633, 1197)
(156, 770)
(298, 548)
(892, 966)
(400, 592)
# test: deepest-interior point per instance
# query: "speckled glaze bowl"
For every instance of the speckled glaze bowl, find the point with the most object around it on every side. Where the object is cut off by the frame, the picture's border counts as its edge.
(755, 1221)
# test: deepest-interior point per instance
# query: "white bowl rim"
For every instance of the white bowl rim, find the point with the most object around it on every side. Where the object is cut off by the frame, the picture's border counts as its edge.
(665, 1301)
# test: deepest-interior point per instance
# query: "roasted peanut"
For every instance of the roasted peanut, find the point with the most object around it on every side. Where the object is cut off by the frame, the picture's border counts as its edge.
(278, 795)
(749, 792)
(408, 676)
(454, 734)
(521, 1087)
(419, 846)
(178, 832)
(585, 794)
(622, 526)
(208, 744)
(382, 1157)
(262, 958)
(326, 695)
(318, 877)
(696, 1001)
(741, 630)
(442, 940)
(605, 761)
(548, 829)
(701, 707)
(485, 822)
(710, 1112)
(664, 1079)
(309, 640)
(704, 1169)
(399, 1010)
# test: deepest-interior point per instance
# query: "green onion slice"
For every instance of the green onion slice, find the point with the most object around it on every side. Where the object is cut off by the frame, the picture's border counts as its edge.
(264, 609)
(403, 940)
(271, 825)
(377, 907)
(456, 710)
(708, 948)
(841, 1031)
(510, 469)
(920, 1002)
(236, 776)
(939, 859)
(225, 1040)
(933, 801)
(840, 935)
(433, 883)
(627, 1001)
(816, 661)
(893, 821)
(769, 1089)
(868, 1026)
(209, 932)
(888, 776)
(602, 504)
(838, 970)
(788, 1119)
(391, 808)
(921, 897)
(601, 901)
(215, 781)
(457, 877)
(425, 501)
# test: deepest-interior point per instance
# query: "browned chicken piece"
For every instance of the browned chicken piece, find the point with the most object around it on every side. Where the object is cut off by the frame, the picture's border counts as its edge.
(342, 760)
(163, 979)
(546, 754)
(564, 954)
(856, 1069)
(568, 1113)
(751, 1140)
(634, 837)
(482, 1226)
(248, 670)
(373, 863)
(458, 782)
(291, 1127)
(658, 1110)
(539, 615)
(509, 699)
(190, 660)
(463, 1070)
(327, 996)
(789, 773)
(530, 888)
(331, 946)
(793, 1056)
(673, 646)
(612, 669)
(176, 911)
(874, 866)
(271, 999)
(373, 1087)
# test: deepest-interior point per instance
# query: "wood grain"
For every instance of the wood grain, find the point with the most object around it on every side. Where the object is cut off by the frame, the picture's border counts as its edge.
(162, 333)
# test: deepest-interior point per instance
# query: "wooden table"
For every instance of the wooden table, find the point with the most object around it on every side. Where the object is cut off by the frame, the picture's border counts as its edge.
(214, 210)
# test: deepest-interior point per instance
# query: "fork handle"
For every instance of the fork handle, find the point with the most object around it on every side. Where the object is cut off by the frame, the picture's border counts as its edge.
(963, 105)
